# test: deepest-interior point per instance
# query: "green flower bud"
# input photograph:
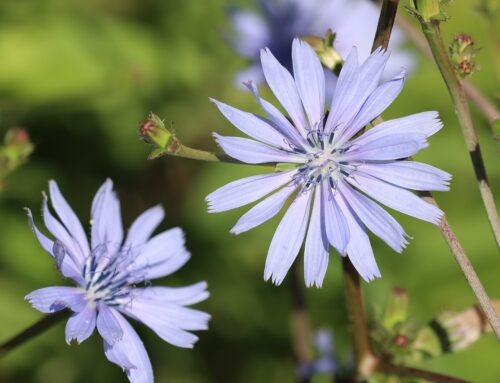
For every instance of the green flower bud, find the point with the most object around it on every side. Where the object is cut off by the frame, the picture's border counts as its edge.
(323, 47)
(396, 309)
(153, 131)
(428, 10)
(462, 53)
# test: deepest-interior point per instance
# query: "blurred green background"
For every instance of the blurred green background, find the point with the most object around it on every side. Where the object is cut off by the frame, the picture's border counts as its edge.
(81, 75)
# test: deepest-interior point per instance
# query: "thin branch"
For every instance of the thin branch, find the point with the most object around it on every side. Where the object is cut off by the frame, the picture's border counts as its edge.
(34, 330)
(487, 108)
(301, 333)
(176, 149)
(467, 268)
(385, 24)
(366, 362)
(411, 372)
(433, 35)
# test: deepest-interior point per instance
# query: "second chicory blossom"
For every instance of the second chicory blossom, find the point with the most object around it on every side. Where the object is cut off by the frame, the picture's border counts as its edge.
(108, 272)
(333, 177)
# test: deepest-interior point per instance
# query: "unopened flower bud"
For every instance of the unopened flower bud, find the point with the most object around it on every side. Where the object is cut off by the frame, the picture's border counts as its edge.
(16, 149)
(396, 309)
(153, 131)
(401, 341)
(429, 9)
(323, 47)
(462, 52)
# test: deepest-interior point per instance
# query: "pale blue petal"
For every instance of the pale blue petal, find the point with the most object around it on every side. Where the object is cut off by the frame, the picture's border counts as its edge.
(426, 123)
(280, 122)
(347, 85)
(72, 264)
(252, 125)
(396, 198)
(143, 226)
(310, 82)
(168, 321)
(100, 212)
(336, 228)
(288, 238)
(359, 249)
(69, 218)
(129, 353)
(253, 152)
(108, 325)
(81, 325)
(264, 210)
(370, 73)
(246, 190)
(381, 223)
(46, 243)
(161, 255)
(376, 103)
(283, 86)
(391, 147)
(316, 254)
(187, 295)
(56, 298)
(115, 225)
(409, 174)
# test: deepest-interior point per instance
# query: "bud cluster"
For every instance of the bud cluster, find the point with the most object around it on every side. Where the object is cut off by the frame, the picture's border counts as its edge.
(15, 151)
(462, 53)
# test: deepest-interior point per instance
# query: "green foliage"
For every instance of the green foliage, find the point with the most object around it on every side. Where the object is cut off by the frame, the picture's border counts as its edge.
(81, 75)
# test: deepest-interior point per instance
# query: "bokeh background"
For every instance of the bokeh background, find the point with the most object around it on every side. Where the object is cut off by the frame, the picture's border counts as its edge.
(81, 75)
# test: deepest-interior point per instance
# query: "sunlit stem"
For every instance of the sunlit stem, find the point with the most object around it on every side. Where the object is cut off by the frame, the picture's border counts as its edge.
(44, 324)
(456, 90)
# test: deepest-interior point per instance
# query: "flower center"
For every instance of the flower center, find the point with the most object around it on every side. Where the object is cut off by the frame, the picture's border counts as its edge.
(323, 162)
(107, 275)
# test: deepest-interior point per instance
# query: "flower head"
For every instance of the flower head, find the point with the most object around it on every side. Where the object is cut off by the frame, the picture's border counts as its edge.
(328, 165)
(353, 21)
(107, 272)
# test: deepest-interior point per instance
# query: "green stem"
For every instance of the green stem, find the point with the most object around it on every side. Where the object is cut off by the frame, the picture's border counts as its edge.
(456, 91)
(177, 149)
(34, 330)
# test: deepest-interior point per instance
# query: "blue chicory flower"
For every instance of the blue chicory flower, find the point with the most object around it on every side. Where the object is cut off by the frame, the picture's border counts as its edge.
(353, 21)
(107, 271)
(327, 164)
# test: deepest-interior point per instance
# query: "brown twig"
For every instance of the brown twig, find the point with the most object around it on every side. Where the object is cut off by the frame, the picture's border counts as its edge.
(411, 372)
(366, 362)
(301, 333)
(385, 24)
(34, 330)
(467, 268)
